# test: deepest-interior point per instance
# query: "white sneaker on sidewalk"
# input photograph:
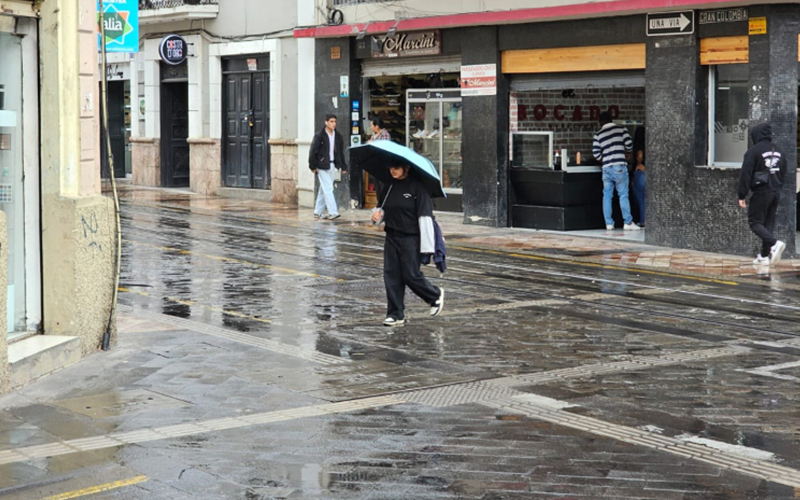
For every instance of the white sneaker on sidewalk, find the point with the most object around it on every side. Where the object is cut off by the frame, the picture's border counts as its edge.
(393, 322)
(609, 227)
(631, 227)
(761, 261)
(776, 252)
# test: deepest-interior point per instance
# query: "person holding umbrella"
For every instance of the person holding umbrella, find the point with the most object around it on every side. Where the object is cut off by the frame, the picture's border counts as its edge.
(407, 213)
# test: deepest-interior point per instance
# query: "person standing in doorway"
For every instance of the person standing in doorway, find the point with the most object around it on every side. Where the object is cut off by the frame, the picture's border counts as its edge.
(407, 211)
(379, 132)
(610, 145)
(763, 171)
(638, 172)
(326, 154)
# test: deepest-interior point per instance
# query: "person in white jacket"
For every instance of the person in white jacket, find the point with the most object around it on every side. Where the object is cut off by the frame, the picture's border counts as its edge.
(407, 214)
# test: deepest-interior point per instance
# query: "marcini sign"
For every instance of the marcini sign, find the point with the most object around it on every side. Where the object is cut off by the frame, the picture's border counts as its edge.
(121, 22)
(670, 23)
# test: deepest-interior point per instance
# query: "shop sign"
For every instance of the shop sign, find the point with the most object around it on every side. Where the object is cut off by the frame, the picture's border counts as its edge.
(723, 16)
(670, 23)
(423, 43)
(172, 49)
(758, 26)
(479, 79)
(117, 72)
(121, 23)
(252, 64)
(560, 112)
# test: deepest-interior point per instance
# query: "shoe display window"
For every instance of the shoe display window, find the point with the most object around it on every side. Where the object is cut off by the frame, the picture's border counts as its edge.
(433, 129)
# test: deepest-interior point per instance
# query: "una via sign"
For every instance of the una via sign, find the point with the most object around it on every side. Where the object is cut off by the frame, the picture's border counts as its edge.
(670, 23)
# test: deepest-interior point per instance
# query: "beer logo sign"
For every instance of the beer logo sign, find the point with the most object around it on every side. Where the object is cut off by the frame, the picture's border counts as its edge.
(173, 49)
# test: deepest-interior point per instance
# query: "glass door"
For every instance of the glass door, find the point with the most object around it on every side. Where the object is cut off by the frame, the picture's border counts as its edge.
(11, 177)
(433, 129)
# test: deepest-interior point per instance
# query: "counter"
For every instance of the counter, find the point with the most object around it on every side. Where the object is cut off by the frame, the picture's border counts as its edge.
(561, 200)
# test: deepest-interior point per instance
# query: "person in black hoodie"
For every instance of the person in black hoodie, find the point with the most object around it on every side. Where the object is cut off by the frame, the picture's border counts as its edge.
(763, 170)
(326, 153)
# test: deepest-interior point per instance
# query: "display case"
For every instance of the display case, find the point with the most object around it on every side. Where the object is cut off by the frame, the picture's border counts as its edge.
(532, 150)
(433, 129)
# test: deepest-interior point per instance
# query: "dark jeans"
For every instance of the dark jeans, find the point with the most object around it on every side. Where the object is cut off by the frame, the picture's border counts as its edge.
(401, 269)
(761, 217)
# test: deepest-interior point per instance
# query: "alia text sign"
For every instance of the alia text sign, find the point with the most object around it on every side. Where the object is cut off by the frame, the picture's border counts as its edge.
(670, 23)
(121, 22)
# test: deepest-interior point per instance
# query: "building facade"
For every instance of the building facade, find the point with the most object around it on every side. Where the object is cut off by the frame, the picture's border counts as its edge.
(58, 230)
(226, 116)
(506, 102)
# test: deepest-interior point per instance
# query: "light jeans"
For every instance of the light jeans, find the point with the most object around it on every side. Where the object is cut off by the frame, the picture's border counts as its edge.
(325, 194)
(616, 176)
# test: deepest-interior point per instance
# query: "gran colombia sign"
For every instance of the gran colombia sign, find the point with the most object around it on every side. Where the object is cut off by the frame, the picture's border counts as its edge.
(423, 43)
(121, 23)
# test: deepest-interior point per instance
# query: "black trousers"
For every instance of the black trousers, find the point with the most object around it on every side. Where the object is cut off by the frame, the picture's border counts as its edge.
(401, 261)
(761, 217)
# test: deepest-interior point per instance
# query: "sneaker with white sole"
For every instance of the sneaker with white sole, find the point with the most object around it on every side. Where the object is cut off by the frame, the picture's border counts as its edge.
(776, 252)
(393, 322)
(761, 261)
(631, 227)
(609, 227)
(437, 306)
(334, 216)
(317, 216)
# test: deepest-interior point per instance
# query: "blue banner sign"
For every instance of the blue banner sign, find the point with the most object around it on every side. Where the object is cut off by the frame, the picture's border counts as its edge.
(121, 21)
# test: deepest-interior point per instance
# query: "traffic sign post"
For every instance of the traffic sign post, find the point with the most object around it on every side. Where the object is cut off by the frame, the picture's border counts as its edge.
(670, 23)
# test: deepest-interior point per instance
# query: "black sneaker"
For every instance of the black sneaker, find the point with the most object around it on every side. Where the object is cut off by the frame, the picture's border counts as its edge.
(437, 306)
(393, 322)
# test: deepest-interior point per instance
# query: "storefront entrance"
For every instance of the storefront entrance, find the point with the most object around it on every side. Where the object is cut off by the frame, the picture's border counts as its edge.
(555, 183)
(174, 125)
(423, 112)
(118, 110)
(19, 181)
(246, 155)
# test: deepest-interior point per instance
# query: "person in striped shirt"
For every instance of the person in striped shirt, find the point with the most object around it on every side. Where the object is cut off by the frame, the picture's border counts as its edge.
(611, 143)
(379, 132)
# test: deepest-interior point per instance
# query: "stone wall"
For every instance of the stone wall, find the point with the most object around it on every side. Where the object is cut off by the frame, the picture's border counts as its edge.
(283, 171)
(146, 161)
(78, 241)
(205, 165)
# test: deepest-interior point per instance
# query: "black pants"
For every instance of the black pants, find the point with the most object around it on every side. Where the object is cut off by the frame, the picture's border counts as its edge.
(401, 269)
(761, 217)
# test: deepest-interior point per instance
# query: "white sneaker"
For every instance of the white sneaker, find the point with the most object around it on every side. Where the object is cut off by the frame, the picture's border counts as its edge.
(437, 306)
(761, 261)
(609, 227)
(631, 227)
(776, 251)
(393, 322)
(432, 134)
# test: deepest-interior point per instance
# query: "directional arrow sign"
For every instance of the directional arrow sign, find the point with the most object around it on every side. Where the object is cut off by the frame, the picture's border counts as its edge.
(670, 23)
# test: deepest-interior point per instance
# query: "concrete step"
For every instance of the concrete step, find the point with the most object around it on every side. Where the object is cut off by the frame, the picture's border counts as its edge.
(245, 194)
(40, 355)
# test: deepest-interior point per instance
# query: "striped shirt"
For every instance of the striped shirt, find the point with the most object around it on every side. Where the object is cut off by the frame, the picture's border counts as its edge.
(610, 145)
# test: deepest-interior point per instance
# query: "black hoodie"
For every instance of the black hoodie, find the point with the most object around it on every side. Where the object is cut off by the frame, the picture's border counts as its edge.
(757, 158)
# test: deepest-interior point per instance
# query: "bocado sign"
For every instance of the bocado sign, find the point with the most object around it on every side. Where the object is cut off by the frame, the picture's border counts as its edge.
(561, 112)
(173, 49)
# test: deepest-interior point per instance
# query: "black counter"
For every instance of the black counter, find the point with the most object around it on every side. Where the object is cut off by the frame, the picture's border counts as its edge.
(556, 199)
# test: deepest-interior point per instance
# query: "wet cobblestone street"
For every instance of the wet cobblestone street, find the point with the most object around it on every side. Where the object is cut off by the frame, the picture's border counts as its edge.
(251, 364)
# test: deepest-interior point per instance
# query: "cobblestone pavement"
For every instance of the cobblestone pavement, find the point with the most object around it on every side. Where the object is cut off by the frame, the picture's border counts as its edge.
(251, 364)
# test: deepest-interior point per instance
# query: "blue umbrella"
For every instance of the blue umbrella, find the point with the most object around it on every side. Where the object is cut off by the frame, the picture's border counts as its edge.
(377, 156)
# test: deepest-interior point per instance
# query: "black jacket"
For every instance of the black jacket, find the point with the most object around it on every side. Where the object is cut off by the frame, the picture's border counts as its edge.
(760, 153)
(319, 155)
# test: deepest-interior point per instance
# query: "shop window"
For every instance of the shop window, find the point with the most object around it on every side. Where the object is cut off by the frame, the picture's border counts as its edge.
(728, 114)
